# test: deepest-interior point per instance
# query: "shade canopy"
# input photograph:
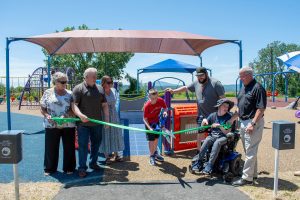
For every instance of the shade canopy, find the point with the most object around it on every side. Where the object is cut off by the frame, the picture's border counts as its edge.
(291, 60)
(135, 41)
(169, 65)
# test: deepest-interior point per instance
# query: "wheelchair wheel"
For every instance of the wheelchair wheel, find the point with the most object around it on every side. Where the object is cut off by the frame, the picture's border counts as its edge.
(235, 165)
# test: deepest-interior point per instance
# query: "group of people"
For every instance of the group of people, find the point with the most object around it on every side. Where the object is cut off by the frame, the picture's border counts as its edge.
(87, 100)
(213, 109)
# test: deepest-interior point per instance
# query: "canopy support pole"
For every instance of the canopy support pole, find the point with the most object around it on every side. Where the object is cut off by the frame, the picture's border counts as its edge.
(201, 61)
(48, 72)
(138, 80)
(8, 40)
(239, 43)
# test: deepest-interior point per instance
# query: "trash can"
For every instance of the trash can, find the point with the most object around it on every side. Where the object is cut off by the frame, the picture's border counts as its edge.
(283, 135)
(11, 146)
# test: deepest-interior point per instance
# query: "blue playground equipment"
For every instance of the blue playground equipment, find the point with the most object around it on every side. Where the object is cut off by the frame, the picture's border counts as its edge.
(157, 84)
(37, 84)
(274, 74)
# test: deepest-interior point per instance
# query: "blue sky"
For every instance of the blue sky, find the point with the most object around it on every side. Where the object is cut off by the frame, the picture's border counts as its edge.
(255, 22)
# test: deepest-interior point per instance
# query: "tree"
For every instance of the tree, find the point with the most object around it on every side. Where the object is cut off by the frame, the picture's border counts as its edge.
(111, 64)
(132, 84)
(267, 62)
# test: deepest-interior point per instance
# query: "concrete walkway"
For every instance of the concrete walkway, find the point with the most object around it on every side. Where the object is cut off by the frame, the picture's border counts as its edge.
(179, 190)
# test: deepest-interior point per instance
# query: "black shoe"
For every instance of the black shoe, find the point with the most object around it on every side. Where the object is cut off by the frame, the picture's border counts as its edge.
(95, 167)
(242, 182)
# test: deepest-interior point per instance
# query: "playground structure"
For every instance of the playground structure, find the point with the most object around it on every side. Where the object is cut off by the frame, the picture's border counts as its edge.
(157, 85)
(37, 84)
(274, 92)
(16, 83)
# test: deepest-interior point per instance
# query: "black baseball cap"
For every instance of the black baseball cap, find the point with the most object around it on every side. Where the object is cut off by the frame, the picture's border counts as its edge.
(200, 71)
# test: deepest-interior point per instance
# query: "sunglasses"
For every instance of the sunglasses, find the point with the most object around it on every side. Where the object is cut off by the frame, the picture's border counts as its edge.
(62, 82)
(109, 82)
(154, 93)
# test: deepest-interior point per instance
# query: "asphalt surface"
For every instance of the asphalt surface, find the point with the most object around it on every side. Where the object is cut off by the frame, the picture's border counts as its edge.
(180, 190)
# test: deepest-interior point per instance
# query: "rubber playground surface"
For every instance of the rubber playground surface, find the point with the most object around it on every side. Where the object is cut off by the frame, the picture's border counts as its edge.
(169, 180)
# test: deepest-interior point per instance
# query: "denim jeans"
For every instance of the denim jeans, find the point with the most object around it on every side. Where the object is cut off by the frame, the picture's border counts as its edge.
(86, 134)
(212, 142)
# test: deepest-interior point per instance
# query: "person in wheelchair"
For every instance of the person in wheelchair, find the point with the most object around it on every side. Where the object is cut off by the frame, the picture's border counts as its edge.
(217, 136)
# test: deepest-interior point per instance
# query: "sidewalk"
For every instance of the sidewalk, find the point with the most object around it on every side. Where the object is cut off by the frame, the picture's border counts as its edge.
(179, 190)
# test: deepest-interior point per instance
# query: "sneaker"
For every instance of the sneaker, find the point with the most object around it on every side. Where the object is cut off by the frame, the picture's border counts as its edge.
(95, 167)
(196, 166)
(207, 169)
(242, 182)
(158, 157)
(152, 160)
(47, 173)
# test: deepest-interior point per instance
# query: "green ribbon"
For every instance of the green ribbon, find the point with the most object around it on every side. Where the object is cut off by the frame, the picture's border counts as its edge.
(61, 121)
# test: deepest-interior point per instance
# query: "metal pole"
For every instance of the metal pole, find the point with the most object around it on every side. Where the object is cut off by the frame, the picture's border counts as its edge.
(273, 87)
(8, 86)
(201, 61)
(49, 74)
(276, 173)
(240, 58)
(16, 180)
(138, 83)
(286, 87)
(105, 72)
(168, 123)
(149, 85)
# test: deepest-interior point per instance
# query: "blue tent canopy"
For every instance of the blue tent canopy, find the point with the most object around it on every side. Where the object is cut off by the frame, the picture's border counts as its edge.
(169, 65)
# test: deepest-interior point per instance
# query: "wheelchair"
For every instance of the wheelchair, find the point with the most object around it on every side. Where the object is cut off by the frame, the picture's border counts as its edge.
(228, 162)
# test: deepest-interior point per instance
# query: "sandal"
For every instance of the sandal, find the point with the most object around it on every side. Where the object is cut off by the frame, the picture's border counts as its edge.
(82, 173)
(108, 161)
(119, 159)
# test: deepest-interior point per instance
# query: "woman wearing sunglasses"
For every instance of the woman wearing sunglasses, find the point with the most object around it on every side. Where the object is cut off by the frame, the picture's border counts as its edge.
(112, 138)
(57, 102)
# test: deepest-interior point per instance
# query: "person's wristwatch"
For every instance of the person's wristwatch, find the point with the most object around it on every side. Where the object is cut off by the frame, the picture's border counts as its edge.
(253, 123)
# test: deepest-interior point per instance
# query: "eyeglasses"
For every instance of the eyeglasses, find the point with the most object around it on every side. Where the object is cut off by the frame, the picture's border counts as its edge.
(62, 82)
(109, 82)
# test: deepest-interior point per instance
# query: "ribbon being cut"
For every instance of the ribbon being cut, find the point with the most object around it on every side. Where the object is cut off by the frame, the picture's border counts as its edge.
(163, 131)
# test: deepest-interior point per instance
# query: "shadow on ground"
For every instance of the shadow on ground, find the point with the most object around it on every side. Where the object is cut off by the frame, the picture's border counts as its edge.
(119, 171)
(188, 155)
(268, 183)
